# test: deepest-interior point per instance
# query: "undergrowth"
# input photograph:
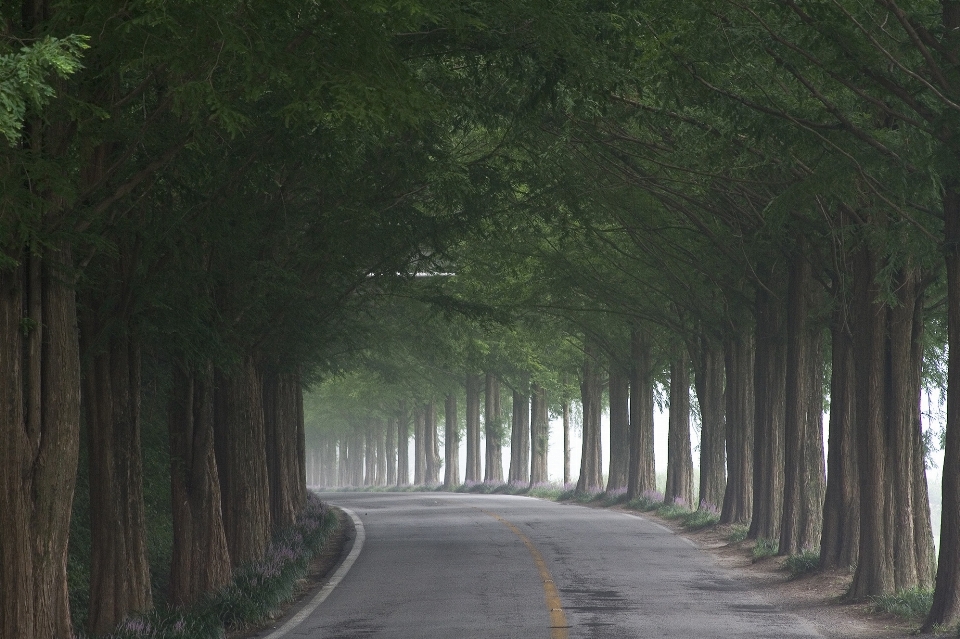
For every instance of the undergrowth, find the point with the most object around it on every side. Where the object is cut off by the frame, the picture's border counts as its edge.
(765, 548)
(913, 603)
(257, 591)
(802, 563)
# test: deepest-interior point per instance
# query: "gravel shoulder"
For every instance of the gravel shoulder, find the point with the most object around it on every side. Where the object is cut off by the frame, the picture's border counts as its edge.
(817, 597)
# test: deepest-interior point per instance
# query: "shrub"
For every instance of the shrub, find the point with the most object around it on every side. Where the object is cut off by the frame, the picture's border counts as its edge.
(674, 510)
(913, 603)
(738, 532)
(803, 563)
(648, 500)
(705, 516)
(765, 548)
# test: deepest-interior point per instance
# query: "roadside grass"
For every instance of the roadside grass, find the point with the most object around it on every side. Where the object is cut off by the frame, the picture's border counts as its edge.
(765, 548)
(802, 563)
(913, 603)
(255, 595)
(738, 533)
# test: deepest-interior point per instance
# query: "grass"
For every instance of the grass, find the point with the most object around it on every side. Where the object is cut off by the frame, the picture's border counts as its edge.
(738, 532)
(913, 603)
(255, 595)
(765, 548)
(802, 563)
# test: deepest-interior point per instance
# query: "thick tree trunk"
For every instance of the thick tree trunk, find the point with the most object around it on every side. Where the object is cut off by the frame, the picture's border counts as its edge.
(520, 434)
(738, 354)
(769, 412)
(709, 369)
(679, 488)
(369, 453)
(642, 472)
(200, 562)
(493, 467)
(430, 449)
(472, 471)
(946, 593)
(801, 520)
(240, 443)
(119, 570)
(419, 447)
(403, 450)
(539, 436)
(591, 391)
(40, 431)
(282, 414)
(391, 451)
(619, 427)
(451, 443)
(381, 429)
(566, 442)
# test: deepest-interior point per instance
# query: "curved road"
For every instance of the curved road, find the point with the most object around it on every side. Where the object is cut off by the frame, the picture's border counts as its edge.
(454, 566)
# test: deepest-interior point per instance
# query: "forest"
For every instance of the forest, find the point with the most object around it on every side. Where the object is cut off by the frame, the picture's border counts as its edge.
(208, 209)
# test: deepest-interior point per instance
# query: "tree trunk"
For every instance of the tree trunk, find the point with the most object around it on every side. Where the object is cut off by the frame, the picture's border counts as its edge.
(493, 469)
(769, 412)
(591, 394)
(472, 473)
(566, 442)
(240, 443)
(709, 365)
(946, 593)
(679, 488)
(40, 408)
(430, 452)
(739, 399)
(619, 427)
(801, 519)
(403, 450)
(642, 472)
(282, 410)
(841, 508)
(419, 446)
(520, 434)
(391, 451)
(539, 436)
(369, 453)
(119, 570)
(382, 453)
(451, 443)
(200, 559)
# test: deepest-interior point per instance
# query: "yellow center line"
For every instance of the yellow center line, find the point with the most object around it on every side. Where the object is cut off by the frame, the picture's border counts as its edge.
(559, 629)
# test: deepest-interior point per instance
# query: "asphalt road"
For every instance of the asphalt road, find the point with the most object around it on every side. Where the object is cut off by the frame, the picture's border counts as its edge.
(463, 566)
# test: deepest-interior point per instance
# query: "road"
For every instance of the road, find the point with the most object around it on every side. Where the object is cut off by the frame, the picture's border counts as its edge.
(442, 565)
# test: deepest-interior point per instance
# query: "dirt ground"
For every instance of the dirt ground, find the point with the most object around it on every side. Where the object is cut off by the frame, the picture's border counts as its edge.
(815, 597)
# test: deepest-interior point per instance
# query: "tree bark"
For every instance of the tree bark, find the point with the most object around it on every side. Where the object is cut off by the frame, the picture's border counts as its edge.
(539, 436)
(679, 488)
(642, 472)
(403, 440)
(493, 467)
(240, 443)
(283, 428)
(40, 408)
(472, 473)
(430, 449)
(801, 520)
(619, 427)
(119, 570)
(769, 411)
(709, 383)
(419, 450)
(391, 452)
(591, 390)
(738, 354)
(520, 434)
(200, 559)
(566, 442)
(946, 594)
(451, 443)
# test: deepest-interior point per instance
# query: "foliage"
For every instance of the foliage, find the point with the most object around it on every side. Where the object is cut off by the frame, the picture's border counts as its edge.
(802, 563)
(913, 603)
(738, 533)
(764, 548)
